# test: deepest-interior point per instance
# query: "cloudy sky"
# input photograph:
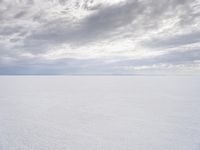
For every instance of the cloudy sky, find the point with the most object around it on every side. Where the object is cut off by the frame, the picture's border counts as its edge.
(99, 36)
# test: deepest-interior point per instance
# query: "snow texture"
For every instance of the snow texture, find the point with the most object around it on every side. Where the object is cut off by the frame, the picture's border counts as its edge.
(100, 113)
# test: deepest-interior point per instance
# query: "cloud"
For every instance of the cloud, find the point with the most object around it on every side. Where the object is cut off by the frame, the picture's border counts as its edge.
(39, 36)
(175, 41)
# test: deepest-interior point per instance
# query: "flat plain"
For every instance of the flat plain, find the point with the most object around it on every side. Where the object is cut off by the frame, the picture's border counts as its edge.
(99, 113)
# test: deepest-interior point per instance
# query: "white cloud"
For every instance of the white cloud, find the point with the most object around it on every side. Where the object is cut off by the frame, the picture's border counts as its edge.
(106, 31)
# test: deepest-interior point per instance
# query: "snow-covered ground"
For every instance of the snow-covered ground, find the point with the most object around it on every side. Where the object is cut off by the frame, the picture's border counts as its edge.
(100, 113)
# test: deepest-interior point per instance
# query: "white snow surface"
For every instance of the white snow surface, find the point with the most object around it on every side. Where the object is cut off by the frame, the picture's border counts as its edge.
(99, 113)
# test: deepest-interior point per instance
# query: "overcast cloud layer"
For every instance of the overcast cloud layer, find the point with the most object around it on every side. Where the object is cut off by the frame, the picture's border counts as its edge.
(99, 36)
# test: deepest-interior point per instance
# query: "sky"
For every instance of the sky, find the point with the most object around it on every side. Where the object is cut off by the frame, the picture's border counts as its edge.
(99, 36)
